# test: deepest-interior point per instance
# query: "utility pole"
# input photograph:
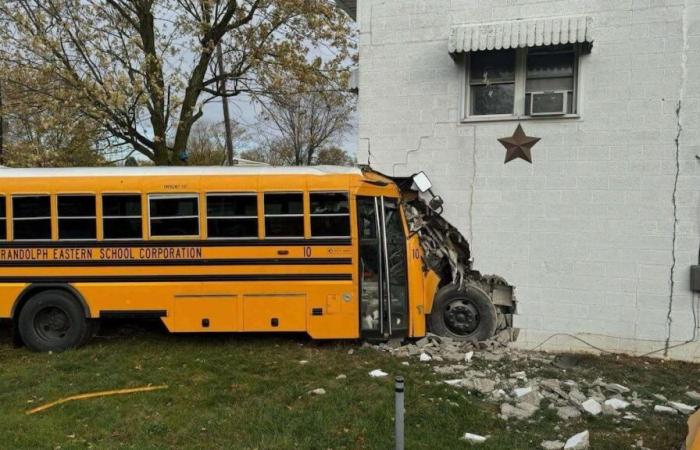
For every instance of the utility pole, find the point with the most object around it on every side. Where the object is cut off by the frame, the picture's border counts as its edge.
(224, 102)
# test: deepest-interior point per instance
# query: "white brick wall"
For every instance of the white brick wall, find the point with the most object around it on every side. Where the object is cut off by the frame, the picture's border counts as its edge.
(586, 232)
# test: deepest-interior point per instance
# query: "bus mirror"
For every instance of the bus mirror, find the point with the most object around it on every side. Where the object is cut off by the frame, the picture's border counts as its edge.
(422, 182)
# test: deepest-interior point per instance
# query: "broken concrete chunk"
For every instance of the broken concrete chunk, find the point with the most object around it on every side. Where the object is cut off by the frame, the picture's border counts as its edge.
(578, 441)
(576, 397)
(616, 403)
(424, 357)
(377, 373)
(528, 395)
(468, 356)
(519, 375)
(661, 398)
(568, 412)
(482, 385)
(693, 395)
(519, 411)
(457, 382)
(474, 438)
(592, 407)
(618, 388)
(342, 376)
(664, 409)
(423, 342)
(319, 391)
(552, 445)
(682, 407)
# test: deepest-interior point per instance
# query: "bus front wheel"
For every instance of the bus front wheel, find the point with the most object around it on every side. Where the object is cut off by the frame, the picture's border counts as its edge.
(466, 314)
(53, 320)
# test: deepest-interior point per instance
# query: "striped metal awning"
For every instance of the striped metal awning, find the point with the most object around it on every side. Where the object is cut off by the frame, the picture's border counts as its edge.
(520, 34)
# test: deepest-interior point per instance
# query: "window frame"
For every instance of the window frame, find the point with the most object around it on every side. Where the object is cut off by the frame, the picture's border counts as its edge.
(103, 217)
(348, 214)
(519, 109)
(58, 216)
(303, 214)
(233, 194)
(49, 217)
(156, 196)
(4, 219)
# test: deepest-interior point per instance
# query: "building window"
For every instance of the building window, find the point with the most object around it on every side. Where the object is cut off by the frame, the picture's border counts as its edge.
(31, 217)
(3, 219)
(525, 82)
(232, 216)
(121, 216)
(174, 215)
(284, 215)
(76, 217)
(330, 215)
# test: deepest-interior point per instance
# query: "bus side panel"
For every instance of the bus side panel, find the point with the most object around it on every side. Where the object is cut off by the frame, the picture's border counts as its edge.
(8, 295)
(333, 311)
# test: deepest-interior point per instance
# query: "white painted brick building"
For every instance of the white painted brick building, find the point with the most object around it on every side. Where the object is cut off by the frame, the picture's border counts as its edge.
(586, 232)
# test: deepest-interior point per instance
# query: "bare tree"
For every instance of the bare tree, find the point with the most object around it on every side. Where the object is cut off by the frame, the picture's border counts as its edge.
(306, 121)
(207, 146)
(144, 69)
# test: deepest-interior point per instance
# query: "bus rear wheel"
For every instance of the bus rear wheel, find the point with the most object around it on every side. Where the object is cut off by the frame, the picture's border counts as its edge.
(466, 314)
(53, 320)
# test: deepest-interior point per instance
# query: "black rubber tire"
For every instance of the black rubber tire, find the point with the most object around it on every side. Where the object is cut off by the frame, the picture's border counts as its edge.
(487, 319)
(76, 333)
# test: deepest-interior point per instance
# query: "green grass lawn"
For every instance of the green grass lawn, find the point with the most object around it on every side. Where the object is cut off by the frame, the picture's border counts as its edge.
(250, 392)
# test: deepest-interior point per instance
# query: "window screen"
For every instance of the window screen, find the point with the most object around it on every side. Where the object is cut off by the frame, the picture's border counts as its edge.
(232, 215)
(31, 217)
(284, 215)
(121, 216)
(492, 82)
(3, 219)
(330, 215)
(76, 217)
(174, 215)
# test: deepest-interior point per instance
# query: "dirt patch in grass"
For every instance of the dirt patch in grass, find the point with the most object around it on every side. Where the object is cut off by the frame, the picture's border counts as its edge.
(251, 391)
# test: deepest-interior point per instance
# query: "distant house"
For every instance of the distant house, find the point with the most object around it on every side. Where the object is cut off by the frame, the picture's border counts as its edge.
(599, 233)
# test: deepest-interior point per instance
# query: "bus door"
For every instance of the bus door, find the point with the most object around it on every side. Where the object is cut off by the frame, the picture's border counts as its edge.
(383, 270)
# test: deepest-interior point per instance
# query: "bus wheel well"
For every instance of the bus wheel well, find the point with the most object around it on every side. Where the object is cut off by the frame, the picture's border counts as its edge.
(34, 289)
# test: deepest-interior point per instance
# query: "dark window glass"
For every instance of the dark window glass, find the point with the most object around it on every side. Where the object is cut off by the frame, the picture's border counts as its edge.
(31, 206)
(492, 66)
(284, 215)
(175, 227)
(289, 226)
(121, 216)
(284, 204)
(121, 205)
(76, 217)
(232, 205)
(76, 206)
(492, 82)
(32, 217)
(493, 99)
(330, 215)
(174, 207)
(116, 228)
(223, 228)
(3, 220)
(174, 216)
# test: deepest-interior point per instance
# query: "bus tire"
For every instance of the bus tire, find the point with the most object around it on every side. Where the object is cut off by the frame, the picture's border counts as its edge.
(53, 320)
(464, 314)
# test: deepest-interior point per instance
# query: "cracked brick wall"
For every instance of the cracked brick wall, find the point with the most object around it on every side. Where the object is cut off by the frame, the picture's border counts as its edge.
(589, 232)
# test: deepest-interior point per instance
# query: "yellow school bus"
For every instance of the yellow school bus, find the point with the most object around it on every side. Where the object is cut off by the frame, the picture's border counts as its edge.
(326, 251)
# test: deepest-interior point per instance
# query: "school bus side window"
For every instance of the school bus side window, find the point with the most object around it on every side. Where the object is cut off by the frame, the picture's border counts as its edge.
(3, 219)
(232, 215)
(31, 217)
(284, 215)
(121, 216)
(76, 217)
(330, 215)
(174, 215)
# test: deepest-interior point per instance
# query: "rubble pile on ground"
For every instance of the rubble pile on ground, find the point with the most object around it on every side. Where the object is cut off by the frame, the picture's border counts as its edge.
(485, 369)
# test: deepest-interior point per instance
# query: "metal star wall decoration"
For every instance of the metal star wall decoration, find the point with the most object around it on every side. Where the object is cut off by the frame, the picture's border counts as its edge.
(519, 145)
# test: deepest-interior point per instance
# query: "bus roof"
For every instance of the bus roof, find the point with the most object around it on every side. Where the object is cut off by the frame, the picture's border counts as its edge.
(174, 170)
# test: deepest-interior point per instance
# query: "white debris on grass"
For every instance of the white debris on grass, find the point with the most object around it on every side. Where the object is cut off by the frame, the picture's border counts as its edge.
(456, 382)
(682, 407)
(303, 361)
(468, 356)
(522, 392)
(377, 373)
(405, 363)
(552, 445)
(578, 441)
(519, 411)
(620, 389)
(693, 395)
(474, 438)
(519, 375)
(424, 357)
(616, 403)
(568, 412)
(592, 407)
(319, 391)
(664, 409)
(342, 376)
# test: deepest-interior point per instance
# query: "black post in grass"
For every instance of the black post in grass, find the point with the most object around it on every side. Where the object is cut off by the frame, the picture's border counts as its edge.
(399, 410)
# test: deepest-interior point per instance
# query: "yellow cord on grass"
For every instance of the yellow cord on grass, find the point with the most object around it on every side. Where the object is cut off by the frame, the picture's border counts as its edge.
(95, 394)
